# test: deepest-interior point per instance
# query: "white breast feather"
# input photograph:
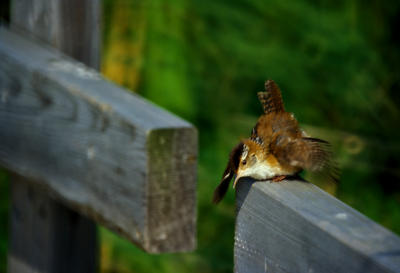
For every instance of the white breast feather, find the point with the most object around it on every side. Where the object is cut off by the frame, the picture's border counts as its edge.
(263, 171)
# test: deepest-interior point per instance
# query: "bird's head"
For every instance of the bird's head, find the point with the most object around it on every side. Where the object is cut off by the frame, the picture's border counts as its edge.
(247, 159)
(251, 161)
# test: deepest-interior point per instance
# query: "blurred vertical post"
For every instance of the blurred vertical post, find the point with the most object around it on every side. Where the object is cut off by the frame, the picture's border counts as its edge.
(46, 236)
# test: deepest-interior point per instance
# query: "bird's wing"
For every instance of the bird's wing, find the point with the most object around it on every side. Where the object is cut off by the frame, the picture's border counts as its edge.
(274, 123)
(312, 154)
(230, 171)
(271, 99)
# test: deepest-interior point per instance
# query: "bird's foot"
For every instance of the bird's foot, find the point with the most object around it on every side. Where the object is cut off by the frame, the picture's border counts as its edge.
(278, 178)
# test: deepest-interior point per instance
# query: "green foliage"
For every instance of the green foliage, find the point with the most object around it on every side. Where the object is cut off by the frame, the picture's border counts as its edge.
(205, 61)
(337, 63)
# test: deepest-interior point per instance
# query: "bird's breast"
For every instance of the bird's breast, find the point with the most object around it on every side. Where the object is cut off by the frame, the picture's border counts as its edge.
(267, 169)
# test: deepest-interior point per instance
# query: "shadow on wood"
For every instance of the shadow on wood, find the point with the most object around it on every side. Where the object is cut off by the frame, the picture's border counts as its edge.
(47, 237)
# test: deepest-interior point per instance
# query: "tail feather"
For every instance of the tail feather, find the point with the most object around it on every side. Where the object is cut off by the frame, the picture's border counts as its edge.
(222, 188)
(230, 170)
(271, 99)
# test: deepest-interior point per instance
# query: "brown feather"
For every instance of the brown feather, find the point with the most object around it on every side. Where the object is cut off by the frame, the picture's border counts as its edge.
(280, 131)
(271, 99)
(270, 125)
(306, 153)
(279, 142)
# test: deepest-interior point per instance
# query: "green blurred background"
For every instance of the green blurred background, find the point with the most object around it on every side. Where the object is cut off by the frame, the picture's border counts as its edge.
(337, 63)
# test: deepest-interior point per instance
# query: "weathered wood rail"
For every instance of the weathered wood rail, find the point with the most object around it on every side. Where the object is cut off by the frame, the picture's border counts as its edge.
(78, 143)
(84, 151)
(293, 226)
(107, 153)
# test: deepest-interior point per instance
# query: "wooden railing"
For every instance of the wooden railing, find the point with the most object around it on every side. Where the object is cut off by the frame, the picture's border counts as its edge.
(293, 226)
(83, 150)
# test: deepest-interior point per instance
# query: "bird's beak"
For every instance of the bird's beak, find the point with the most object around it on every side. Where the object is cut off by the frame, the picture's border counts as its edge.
(236, 180)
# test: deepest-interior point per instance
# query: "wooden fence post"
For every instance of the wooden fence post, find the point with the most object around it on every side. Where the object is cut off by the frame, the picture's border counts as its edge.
(46, 236)
(105, 152)
(95, 147)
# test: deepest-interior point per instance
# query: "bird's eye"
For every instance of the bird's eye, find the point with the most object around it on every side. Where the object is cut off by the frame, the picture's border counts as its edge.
(244, 162)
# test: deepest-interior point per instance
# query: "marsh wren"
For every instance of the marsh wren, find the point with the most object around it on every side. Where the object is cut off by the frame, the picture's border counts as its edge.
(277, 147)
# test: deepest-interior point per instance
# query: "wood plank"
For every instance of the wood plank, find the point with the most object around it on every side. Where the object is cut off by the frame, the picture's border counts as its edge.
(293, 226)
(109, 154)
(47, 237)
(72, 26)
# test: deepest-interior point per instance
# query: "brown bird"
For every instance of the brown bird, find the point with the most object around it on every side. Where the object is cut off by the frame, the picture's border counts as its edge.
(276, 149)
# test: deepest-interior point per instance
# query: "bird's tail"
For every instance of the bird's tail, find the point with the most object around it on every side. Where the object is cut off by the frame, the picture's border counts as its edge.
(271, 99)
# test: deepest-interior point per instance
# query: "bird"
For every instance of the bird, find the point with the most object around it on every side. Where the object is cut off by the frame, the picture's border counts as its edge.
(277, 148)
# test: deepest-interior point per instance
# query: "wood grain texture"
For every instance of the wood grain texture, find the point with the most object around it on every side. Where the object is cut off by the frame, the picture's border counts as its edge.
(72, 26)
(293, 226)
(109, 154)
(63, 240)
(46, 237)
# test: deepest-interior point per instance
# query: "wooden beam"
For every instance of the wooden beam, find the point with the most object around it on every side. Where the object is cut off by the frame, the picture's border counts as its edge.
(71, 26)
(47, 236)
(293, 226)
(109, 154)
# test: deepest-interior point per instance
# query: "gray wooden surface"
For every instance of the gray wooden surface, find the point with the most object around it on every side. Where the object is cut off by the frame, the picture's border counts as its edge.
(46, 236)
(111, 155)
(293, 226)
(72, 26)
